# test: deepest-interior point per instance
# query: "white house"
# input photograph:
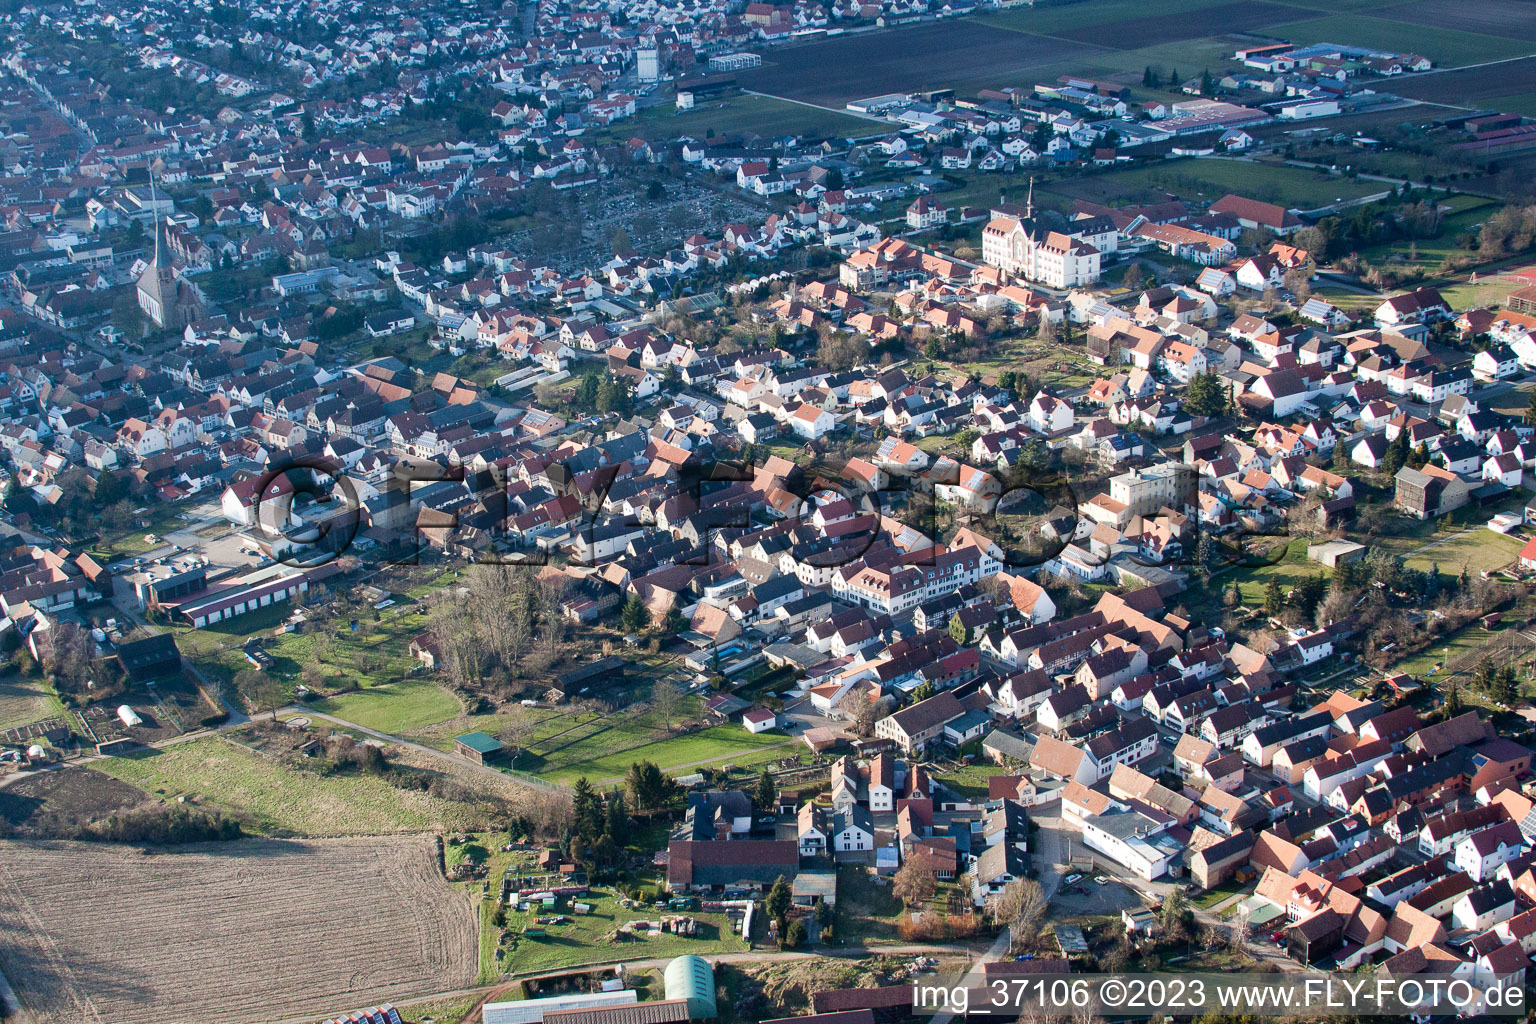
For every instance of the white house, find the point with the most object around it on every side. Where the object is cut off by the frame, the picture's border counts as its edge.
(811, 423)
(1495, 363)
(1505, 469)
(1480, 854)
(759, 720)
(852, 831)
(1050, 415)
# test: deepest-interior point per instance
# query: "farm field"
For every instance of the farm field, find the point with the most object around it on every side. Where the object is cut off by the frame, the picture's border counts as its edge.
(24, 701)
(1446, 47)
(1521, 103)
(275, 799)
(45, 805)
(232, 938)
(1497, 17)
(1471, 86)
(1168, 27)
(1053, 20)
(959, 54)
(399, 707)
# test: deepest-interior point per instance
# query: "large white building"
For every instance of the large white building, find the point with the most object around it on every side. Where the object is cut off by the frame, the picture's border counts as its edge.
(1051, 258)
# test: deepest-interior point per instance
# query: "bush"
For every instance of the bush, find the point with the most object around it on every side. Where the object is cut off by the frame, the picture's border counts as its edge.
(163, 825)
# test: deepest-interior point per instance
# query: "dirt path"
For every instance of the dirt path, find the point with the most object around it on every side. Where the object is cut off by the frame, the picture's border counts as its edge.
(490, 993)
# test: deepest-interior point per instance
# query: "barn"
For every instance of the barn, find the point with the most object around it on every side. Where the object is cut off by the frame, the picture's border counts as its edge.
(477, 747)
(153, 657)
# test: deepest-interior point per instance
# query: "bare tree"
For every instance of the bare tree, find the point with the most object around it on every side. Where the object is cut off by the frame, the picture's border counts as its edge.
(72, 657)
(1239, 935)
(914, 883)
(449, 622)
(861, 711)
(666, 698)
(516, 729)
(1020, 907)
(501, 607)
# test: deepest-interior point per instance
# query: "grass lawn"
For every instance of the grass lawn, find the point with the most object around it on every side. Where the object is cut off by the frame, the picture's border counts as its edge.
(604, 755)
(1430, 253)
(396, 707)
(373, 654)
(437, 1011)
(274, 799)
(1448, 650)
(1485, 292)
(162, 519)
(762, 115)
(1519, 103)
(1211, 897)
(1446, 47)
(26, 700)
(1211, 179)
(1290, 569)
(972, 779)
(1478, 549)
(587, 938)
(865, 911)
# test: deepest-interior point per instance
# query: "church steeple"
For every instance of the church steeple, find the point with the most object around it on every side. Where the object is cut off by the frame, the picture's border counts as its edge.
(1029, 203)
(162, 253)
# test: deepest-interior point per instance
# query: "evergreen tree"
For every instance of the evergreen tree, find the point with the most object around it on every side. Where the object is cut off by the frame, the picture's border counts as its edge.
(1397, 454)
(618, 816)
(1530, 410)
(1453, 699)
(1150, 79)
(586, 810)
(767, 795)
(1174, 82)
(1274, 597)
(777, 902)
(635, 616)
(1506, 687)
(1207, 83)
